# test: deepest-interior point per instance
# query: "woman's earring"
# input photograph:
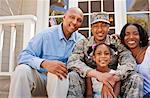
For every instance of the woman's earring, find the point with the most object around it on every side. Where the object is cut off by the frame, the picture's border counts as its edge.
(140, 42)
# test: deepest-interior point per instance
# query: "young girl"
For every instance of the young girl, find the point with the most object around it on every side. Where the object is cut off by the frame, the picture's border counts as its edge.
(102, 89)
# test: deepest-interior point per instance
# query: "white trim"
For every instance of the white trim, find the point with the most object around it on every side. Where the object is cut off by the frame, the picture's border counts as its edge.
(120, 15)
(102, 5)
(42, 14)
(138, 12)
(56, 16)
(28, 32)
(12, 48)
(84, 28)
(17, 19)
(6, 73)
(1, 43)
(89, 20)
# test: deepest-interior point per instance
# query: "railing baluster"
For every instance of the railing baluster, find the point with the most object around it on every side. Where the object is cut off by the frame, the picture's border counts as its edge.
(28, 21)
(28, 32)
(1, 44)
(12, 48)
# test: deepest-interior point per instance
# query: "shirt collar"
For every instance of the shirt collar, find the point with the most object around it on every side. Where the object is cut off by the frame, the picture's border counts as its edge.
(61, 34)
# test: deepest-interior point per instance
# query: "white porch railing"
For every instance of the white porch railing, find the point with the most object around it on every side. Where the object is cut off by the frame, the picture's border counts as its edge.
(28, 22)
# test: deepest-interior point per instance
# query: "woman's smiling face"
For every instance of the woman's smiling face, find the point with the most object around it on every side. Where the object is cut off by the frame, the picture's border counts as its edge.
(132, 38)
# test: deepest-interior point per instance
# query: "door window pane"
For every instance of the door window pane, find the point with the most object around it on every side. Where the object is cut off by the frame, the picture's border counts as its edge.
(57, 10)
(58, 7)
(137, 5)
(95, 6)
(142, 19)
(55, 21)
(112, 19)
(111, 31)
(83, 6)
(85, 21)
(84, 32)
(109, 5)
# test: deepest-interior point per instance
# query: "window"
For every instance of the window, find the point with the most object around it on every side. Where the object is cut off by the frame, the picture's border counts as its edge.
(58, 7)
(120, 12)
(138, 11)
(57, 10)
(91, 6)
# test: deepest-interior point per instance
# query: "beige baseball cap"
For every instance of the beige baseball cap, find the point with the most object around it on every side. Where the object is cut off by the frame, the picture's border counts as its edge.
(102, 16)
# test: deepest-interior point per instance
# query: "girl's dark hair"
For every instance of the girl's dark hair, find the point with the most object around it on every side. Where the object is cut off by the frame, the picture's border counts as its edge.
(142, 33)
(111, 46)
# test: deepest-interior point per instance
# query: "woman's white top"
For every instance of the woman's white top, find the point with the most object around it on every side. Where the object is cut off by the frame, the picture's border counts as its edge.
(144, 70)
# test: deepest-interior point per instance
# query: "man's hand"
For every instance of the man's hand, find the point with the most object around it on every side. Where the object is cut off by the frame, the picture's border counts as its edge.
(107, 90)
(116, 36)
(112, 81)
(99, 75)
(103, 76)
(56, 67)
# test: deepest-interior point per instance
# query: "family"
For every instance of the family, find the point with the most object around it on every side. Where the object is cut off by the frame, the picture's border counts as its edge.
(101, 66)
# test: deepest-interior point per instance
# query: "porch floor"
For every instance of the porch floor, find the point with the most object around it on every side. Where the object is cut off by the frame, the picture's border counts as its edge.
(4, 87)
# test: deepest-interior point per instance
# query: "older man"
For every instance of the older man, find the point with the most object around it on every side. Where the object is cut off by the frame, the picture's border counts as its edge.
(48, 51)
(81, 62)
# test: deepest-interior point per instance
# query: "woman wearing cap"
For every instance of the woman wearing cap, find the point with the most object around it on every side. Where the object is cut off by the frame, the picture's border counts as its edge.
(80, 62)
